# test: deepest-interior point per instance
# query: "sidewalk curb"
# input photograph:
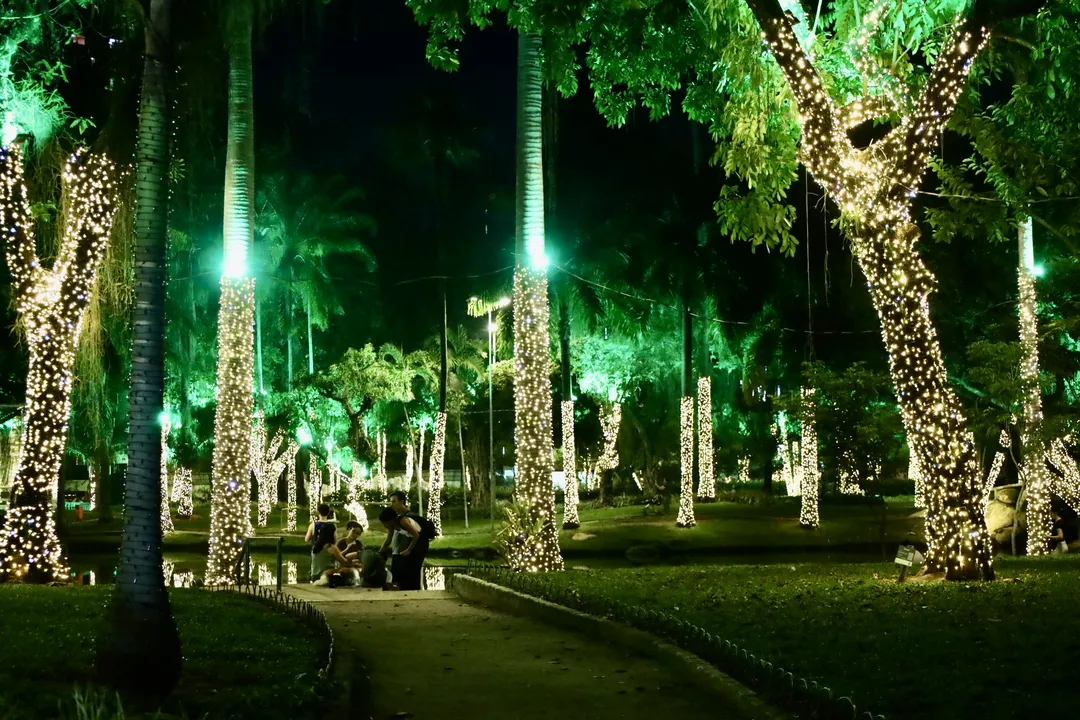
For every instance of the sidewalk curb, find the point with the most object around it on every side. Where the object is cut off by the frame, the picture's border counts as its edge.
(734, 700)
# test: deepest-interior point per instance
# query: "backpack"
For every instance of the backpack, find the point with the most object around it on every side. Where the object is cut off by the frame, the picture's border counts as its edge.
(427, 528)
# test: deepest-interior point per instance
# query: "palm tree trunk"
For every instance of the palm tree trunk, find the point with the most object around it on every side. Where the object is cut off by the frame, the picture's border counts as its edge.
(258, 345)
(464, 471)
(289, 331)
(532, 381)
(230, 507)
(141, 632)
(438, 443)
(310, 341)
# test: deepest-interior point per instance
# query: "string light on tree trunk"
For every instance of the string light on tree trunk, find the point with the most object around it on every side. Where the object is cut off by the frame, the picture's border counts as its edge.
(795, 458)
(230, 508)
(290, 495)
(532, 419)
(744, 470)
(609, 423)
(50, 303)
(382, 466)
(808, 511)
(916, 476)
(314, 485)
(686, 436)
(438, 456)
(1066, 482)
(420, 468)
(92, 488)
(995, 468)
(410, 469)
(182, 489)
(874, 188)
(706, 476)
(1040, 520)
(849, 476)
(166, 513)
(571, 521)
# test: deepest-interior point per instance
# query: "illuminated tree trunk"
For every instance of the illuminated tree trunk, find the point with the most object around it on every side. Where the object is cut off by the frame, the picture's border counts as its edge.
(686, 425)
(873, 187)
(230, 513)
(706, 474)
(51, 303)
(438, 443)
(258, 347)
(310, 341)
(1036, 476)
(571, 521)
(141, 632)
(810, 484)
(532, 379)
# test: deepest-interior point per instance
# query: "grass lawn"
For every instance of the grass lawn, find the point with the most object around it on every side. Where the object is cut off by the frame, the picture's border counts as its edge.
(1005, 649)
(721, 526)
(241, 659)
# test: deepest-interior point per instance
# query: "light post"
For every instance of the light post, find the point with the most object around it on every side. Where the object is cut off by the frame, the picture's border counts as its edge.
(477, 308)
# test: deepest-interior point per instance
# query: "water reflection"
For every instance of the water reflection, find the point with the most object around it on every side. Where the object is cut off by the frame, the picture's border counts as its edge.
(183, 570)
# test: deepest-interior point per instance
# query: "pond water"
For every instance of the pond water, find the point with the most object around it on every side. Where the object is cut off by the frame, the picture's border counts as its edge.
(182, 569)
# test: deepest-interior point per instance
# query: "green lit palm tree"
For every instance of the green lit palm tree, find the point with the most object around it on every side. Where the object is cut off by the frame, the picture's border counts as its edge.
(302, 222)
(142, 633)
(532, 381)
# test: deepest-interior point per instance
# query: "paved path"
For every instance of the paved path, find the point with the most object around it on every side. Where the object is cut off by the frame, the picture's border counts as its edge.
(432, 657)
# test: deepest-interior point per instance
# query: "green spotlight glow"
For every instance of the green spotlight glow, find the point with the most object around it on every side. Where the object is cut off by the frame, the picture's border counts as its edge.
(303, 435)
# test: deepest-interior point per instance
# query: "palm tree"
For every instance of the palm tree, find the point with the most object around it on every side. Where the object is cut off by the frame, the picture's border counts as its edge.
(232, 419)
(302, 222)
(532, 381)
(141, 632)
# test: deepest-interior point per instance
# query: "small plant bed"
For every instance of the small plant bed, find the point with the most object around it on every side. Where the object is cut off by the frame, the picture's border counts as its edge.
(241, 658)
(913, 650)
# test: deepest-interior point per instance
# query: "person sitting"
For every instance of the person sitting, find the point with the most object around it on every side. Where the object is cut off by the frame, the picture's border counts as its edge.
(1064, 539)
(350, 545)
(403, 536)
(326, 560)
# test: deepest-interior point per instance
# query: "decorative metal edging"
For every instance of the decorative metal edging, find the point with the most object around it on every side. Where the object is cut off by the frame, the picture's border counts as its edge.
(780, 687)
(300, 609)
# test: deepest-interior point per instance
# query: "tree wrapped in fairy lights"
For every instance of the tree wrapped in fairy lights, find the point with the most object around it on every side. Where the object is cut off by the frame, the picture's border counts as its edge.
(874, 187)
(50, 303)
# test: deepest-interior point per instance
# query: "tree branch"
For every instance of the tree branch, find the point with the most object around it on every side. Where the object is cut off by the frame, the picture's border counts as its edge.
(822, 140)
(21, 248)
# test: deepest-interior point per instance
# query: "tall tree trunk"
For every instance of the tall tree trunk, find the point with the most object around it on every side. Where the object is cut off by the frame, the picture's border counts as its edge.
(258, 346)
(464, 471)
(874, 192)
(686, 422)
(532, 381)
(1033, 446)
(310, 340)
(141, 632)
(231, 509)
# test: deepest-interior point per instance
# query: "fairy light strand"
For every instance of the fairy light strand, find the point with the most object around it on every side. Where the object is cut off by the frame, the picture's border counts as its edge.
(435, 486)
(686, 456)
(166, 512)
(571, 521)
(230, 509)
(51, 303)
(808, 509)
(182, 490)
(706, 471)
(874, 188)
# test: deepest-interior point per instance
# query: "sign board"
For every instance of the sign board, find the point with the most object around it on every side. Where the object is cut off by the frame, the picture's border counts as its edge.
(907, 556)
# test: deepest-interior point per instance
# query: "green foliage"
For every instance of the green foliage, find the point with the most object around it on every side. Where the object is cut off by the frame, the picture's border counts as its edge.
(858, 425)
(240, 659)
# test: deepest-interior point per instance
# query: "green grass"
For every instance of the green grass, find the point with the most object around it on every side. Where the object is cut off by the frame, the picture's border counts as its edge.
(241, 659)
(1005, 649)
(721, 526)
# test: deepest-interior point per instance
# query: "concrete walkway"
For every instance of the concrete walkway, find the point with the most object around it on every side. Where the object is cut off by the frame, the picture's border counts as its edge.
(432, 657)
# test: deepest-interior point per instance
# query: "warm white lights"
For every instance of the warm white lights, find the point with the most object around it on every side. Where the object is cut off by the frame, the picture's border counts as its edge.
(571, 520)
(290, 495)
(50, 303)
(610, 421)
(874, 187)
(166, 513)
(808, 510)
(182, 492)
(686, 437)
(706, 473)
(314, 485)
(230, 509)
(1033, 470)
(438, 456)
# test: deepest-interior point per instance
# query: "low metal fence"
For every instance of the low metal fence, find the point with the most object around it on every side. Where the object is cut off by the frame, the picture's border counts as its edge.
(303, 611)
(806, 698)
